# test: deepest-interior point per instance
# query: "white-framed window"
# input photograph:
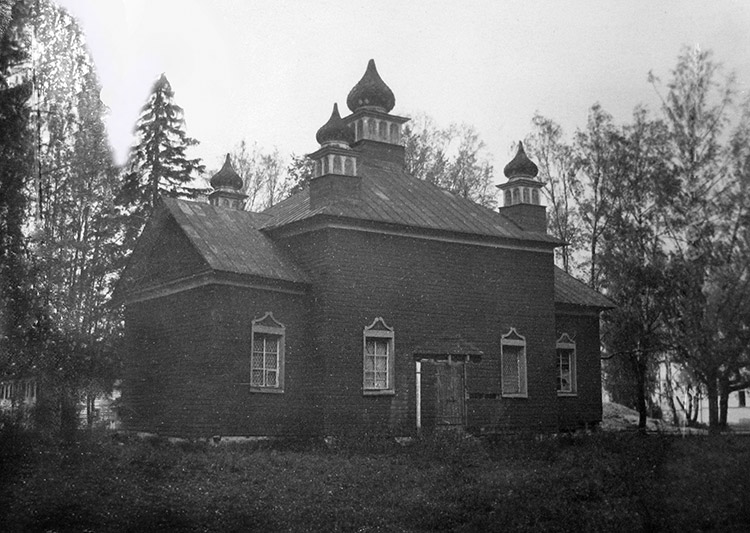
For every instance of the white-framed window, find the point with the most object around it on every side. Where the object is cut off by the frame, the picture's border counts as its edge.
(566, 366)
(6, 391)
(267, 357)
(378, 358)
(513, 364)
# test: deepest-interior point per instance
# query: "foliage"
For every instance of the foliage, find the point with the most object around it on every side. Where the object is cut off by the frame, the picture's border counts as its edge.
(632, 258)
(264, 175)
(299, 173)
(604, 482)
(17, 306)
(557, 170)
(707, 227)
(596, 166)
(451, 158)
(158, 162)
(657, 211)
(61, 249)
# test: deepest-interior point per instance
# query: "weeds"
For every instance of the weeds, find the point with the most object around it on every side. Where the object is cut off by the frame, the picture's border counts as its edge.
(600, 482)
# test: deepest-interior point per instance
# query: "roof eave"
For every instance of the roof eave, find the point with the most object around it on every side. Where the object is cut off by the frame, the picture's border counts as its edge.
(321, 220)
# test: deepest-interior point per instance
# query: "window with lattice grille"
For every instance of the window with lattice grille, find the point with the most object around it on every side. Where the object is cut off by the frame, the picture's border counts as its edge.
(378, 358)
(264, 367)
(267, 355)
(566, 365)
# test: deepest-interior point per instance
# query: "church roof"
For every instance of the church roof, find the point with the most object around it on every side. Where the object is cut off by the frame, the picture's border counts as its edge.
(232, 241)
(388, 194)
(569, 290)
(335, 130)
(229, 241)
(227, 177)
(521, 166)
(371, 92)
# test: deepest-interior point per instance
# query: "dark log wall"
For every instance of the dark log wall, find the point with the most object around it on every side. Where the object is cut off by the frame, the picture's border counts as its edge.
(188, 366)
(425, 289)
(584, 409)
(188, 363)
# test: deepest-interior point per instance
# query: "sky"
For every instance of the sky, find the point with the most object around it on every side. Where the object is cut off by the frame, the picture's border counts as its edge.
(269, 71)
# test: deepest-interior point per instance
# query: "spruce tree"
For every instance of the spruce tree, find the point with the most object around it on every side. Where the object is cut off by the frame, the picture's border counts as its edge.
(158, 162)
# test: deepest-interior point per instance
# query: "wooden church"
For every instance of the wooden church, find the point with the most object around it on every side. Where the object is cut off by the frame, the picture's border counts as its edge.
(369, 303)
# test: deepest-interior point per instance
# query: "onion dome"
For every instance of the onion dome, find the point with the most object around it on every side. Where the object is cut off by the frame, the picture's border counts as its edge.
(335, 130)
(226, 178)
(521, 166)
(371, 92)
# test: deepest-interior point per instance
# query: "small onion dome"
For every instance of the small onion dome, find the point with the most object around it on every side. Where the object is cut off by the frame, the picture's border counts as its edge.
(226, 178)
(521, 165)
(335, 130)
(371, 91)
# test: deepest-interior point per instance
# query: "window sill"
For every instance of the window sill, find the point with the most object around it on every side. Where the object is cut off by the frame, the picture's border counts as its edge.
(515, 396)
(378, 392)
(264, 390)
(567, 394)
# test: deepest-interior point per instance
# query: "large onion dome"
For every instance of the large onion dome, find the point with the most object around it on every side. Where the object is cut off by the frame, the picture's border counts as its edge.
(226, 178)
(371, 92)
(521, 166)
(335, 130)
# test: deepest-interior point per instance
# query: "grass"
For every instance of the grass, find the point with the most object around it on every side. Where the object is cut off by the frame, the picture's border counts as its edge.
(599, 482)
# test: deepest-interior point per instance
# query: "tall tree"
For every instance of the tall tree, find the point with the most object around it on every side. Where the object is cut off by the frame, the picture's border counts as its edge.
(632, 258)
(557, 170)
(16, 294)
(708, 210)
(158, 163)
(67, 210)
(452, 158)
(595, 165)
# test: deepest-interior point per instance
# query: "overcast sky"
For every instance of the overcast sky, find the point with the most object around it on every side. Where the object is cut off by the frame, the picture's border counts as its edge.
(269, 71)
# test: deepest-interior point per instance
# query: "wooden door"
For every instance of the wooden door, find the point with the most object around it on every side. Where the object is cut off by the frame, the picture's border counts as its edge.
(450, 393)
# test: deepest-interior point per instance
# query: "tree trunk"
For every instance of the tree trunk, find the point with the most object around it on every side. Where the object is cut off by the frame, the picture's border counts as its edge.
(641, 398)
(90, 411)
(670, 394)
(68, 415)
(723, 402)
(697, 398)
(712, 391)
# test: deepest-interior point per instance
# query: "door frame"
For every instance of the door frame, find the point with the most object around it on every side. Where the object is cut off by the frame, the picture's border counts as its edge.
(458, 360)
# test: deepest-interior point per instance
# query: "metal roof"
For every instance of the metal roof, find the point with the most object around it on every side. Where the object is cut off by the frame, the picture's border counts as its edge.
(230, 241)
(389, 194)
(569, 290)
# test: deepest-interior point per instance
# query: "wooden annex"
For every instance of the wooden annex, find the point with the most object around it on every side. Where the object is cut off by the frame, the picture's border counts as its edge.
(369, 303)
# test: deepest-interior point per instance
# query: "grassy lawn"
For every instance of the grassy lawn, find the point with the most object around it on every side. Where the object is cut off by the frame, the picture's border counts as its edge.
(600, 482)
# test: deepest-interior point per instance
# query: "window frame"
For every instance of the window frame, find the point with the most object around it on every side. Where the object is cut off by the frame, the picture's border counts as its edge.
(382, 332)
(513, 338)
(565, 342)
(267, 325)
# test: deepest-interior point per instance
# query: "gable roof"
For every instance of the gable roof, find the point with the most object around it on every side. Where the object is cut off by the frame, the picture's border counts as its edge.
(230, 241)
(389, 194)
(185, 240)
(571, 291)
